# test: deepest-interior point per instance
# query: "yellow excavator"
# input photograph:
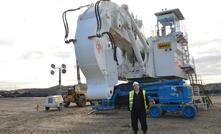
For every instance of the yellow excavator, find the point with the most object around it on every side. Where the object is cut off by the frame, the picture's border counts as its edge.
(77, 93)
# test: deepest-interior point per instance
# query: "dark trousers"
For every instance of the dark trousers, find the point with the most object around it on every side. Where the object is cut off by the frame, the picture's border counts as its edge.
(142, 118)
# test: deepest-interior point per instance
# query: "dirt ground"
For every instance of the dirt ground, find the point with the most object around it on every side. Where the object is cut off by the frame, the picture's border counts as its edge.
(19, 116)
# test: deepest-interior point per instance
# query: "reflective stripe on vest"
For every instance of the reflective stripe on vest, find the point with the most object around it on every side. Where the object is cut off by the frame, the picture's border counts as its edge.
(131, 99)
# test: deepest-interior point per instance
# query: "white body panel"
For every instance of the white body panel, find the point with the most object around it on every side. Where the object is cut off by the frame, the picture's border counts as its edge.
(94, 59)
(169, 47)
(53, 101)
(167, 59)
(136, 59)
(95, 55)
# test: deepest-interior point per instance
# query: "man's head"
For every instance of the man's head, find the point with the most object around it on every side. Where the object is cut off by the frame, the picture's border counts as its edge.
(136, 86)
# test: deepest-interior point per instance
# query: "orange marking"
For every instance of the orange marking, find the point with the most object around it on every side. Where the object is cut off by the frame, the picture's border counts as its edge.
(99, 47)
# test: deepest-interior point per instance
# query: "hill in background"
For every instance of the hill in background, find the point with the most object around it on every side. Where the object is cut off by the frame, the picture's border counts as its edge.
(34, 92)
(212, 89)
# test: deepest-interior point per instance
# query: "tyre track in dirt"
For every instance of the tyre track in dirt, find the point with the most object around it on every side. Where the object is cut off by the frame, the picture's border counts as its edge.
(28, 122)
(18, 116)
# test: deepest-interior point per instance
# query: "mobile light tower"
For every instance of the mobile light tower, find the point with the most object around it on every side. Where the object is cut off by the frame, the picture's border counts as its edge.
(61, 69)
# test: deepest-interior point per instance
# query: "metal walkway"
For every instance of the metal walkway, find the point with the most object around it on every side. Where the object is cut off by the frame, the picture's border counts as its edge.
(200, 94)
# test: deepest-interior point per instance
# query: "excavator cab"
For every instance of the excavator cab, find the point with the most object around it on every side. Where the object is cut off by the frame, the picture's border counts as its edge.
(71, 90)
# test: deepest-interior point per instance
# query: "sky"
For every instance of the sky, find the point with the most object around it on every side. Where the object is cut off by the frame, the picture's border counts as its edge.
(31, 38)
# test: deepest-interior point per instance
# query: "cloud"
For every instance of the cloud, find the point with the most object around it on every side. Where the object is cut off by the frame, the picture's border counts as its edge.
(63, 54)
(209, 59)
(207, 48)
(209, 65)
(32, 55)
(5, 42)
(206, 42)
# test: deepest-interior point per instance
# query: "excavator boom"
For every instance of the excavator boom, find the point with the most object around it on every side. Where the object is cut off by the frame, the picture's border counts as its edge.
(109, 47)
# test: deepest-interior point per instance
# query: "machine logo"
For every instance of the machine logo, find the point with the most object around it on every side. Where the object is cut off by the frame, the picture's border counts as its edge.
(99, 47)
(164, 45)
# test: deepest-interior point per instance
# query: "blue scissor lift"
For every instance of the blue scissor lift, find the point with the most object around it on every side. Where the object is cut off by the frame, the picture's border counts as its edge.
(168, 96)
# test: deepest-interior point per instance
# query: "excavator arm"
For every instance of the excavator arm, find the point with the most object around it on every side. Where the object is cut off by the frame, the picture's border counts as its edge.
(109, 47)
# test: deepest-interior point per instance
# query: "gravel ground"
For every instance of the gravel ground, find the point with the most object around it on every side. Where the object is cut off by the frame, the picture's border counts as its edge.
(19, 116)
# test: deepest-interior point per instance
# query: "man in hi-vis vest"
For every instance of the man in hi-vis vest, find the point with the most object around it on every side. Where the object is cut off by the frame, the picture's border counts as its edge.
(138, 104)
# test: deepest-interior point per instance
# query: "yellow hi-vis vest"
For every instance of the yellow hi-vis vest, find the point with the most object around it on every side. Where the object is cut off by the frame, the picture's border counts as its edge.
(131, 99)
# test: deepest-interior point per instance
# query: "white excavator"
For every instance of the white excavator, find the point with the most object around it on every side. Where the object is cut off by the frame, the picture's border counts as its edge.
(110, 47)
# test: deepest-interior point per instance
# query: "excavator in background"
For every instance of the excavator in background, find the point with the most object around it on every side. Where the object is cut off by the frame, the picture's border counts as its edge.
(110, 47)
(77, 93)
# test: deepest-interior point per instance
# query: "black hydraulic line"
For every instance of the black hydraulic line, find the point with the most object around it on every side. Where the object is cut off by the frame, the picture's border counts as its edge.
(98, 17)
(114, 47)
(95, 10)
(115, 55)
(99, 25)
(64, 18)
